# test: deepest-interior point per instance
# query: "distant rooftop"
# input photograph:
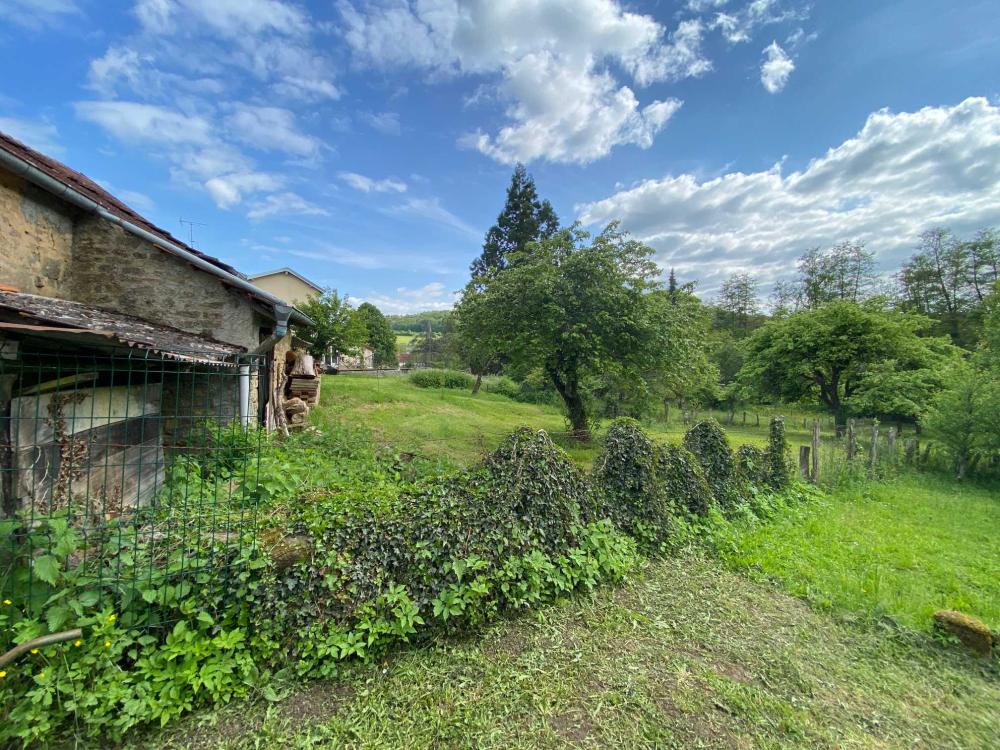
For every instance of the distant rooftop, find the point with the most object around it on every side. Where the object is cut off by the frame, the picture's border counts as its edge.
(290, 272)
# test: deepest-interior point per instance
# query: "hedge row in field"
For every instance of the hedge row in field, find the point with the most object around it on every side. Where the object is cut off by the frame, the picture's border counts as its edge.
(375, 554)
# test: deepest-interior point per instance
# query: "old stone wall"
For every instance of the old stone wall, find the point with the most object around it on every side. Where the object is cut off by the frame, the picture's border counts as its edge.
(36, 239)
(118, 271)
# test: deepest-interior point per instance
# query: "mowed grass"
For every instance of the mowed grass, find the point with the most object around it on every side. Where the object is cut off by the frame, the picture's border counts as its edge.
(685, 655)
(903, 549)
(458, 427)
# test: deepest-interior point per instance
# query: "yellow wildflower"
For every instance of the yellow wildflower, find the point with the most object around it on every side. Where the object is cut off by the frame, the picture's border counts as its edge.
(7, 602)
(41, 674)
(107, 644)
(78, 643)
(2, 674)
(34, 650)
(111, 618)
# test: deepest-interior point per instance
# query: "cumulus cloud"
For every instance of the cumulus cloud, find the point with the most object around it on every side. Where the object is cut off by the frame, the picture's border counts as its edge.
(556, 63)
(900, 174)
(433, 296)
(369, 185)
(775, 69)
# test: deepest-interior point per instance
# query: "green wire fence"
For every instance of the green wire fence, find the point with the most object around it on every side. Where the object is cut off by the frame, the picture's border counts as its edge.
(128, 479)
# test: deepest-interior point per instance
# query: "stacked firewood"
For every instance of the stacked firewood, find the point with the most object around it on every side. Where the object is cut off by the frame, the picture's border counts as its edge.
(301, 387)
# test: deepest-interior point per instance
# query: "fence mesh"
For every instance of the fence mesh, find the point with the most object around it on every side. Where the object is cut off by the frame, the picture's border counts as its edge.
(130, 477)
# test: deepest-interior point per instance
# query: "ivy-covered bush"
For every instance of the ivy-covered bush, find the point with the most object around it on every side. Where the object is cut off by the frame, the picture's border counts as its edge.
(357, 550)
(442, 379)
(708, 443)
(778, 472)
(751, 466)
(684, 481)
(629, 487)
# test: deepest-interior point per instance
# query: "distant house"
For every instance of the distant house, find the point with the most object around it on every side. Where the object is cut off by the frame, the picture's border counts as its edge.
(116, 339)
(362, 360)
(288, 285)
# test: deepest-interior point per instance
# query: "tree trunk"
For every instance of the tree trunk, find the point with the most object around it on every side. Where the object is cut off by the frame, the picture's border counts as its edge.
(569, 392)
(478, 384)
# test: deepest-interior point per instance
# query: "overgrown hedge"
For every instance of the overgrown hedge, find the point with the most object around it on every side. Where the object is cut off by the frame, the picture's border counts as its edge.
(363, 550)
(441, 379)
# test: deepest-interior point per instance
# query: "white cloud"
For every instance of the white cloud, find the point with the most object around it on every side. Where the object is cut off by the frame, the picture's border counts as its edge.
(369, 185)
(433, 296)
(383, 122)
(430, 209)
(270, 129)
(342, 256)
(228, 190)
(775, 69)
(283, 204)
(230, 18)
(135, 121)
(901, 174)
(37, 14)
(737, 25)
(556, 61)
(39, 134)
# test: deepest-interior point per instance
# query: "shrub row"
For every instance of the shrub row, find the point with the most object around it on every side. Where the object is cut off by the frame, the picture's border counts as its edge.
(441, 379)
(369, 552)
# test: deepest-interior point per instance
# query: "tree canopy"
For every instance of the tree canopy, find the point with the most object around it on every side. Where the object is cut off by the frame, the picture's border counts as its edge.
(335, 328)
(576, 306)
(378, 335)
(851, 358)
(524, 219)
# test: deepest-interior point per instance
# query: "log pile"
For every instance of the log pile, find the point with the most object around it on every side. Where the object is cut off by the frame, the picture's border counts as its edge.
(301, 392)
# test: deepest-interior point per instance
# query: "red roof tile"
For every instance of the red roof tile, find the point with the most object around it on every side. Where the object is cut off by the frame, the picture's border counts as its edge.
(87, 187)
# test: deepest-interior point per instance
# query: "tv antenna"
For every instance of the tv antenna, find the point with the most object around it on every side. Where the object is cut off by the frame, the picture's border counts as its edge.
(191, 226)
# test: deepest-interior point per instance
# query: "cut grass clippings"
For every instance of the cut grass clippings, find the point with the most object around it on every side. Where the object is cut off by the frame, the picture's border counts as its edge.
(685, 655)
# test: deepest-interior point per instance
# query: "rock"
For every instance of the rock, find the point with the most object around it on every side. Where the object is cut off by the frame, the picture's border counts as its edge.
(973, 633)
(290, 550)
(295, 406)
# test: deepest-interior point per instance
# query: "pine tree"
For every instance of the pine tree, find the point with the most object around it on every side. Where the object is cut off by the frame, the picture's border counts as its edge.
(524, 219)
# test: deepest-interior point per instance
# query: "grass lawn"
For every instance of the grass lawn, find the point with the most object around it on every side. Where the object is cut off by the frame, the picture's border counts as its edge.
(690, 652)
(685, 655)
(403, 340)
(456, 426)
(904, 549)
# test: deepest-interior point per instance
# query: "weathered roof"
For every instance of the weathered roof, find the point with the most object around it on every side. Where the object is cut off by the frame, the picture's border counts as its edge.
(87, 187)
(290, 272)
(46, 317)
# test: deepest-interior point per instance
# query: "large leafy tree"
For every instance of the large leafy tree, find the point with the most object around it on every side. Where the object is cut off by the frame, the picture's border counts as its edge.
(524, 219)
(378, 334)
(576, 307)
(851, 358)
(739, 303)
(336, 328)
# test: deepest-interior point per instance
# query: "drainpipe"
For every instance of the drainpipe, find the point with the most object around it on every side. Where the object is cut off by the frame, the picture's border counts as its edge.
(33, 174)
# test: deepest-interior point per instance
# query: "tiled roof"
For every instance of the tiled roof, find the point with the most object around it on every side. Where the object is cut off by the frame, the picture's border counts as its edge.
(87, 187)
(30, 314)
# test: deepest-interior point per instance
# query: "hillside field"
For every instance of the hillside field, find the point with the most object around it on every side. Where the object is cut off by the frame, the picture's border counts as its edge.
(457, 427)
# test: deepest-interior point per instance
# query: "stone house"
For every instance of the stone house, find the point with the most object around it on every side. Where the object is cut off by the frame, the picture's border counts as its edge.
(287, 284)
(115, 337)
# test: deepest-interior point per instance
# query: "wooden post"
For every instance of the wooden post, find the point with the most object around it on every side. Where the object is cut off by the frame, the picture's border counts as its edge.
(804, 461)
(852, 440)
(909, 456)
(873, 452)
(815, 452)
(758, 420)
(744, 418)
(890, 444)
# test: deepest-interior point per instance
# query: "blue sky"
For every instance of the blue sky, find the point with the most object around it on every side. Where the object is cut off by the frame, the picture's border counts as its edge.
(368, 145)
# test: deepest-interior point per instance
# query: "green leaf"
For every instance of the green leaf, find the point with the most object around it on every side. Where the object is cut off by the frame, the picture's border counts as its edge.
(46, 568)
(149, 596)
